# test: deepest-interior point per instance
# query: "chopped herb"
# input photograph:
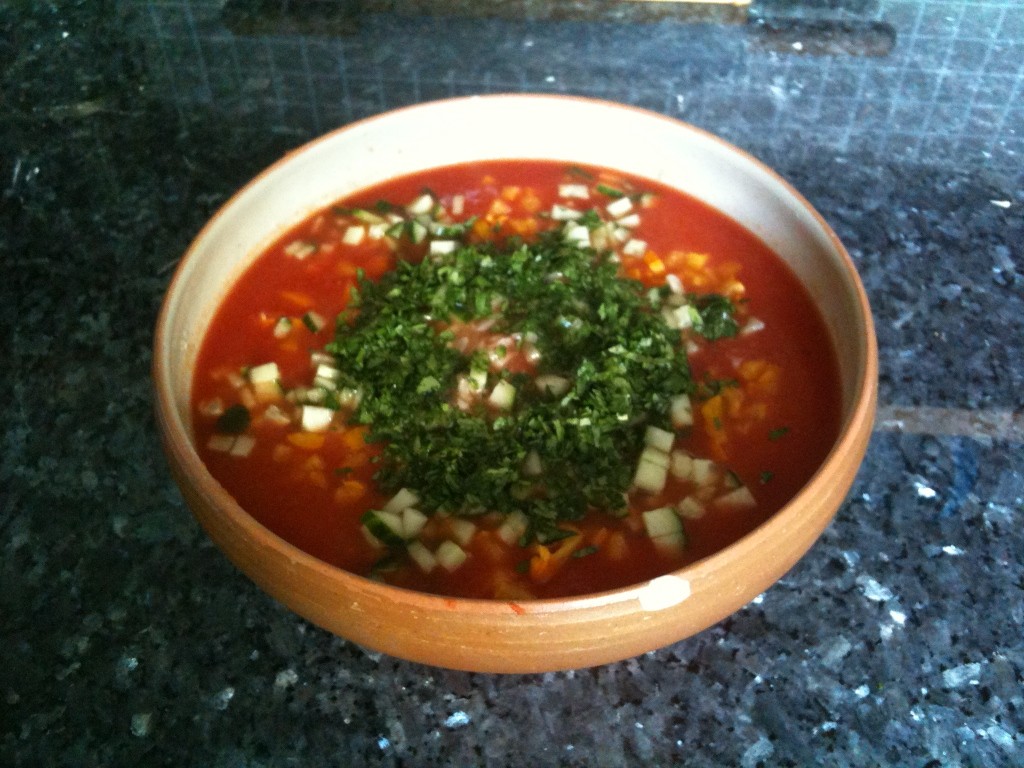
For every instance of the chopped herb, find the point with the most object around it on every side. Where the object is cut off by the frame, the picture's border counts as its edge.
(592, 328)
(766, 477)
(717, 316)
(778, 432)
(234, 420)
(590, 219)
(604, 189)
(585, 551)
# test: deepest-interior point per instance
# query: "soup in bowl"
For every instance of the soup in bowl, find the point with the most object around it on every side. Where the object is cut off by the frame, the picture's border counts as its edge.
(515, 383)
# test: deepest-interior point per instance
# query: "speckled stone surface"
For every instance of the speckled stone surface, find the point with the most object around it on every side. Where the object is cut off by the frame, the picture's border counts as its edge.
(128, 639)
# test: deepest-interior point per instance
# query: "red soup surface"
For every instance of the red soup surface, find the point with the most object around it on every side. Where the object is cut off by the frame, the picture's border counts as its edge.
(680, 363)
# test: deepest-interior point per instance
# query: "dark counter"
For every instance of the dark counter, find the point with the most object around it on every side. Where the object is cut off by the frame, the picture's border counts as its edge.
(129, 639)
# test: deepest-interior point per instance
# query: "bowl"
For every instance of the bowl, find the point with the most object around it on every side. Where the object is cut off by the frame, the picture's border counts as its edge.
(496, 635)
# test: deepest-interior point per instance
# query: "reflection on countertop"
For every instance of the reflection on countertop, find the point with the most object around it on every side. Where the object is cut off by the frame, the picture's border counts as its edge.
(130, 640)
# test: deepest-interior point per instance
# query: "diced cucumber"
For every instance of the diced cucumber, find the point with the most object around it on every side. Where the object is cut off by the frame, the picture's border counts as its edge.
(619, 207)
(316, 418)
(220, 443)
(463, 530)
(654, 456)
(662, 521)
(661, 439)
(634, 247)
(418, 231)
(702, 471)
(564, 213)
(423, 204)
(690, 508)
(282, 327)
(412, 522)
(264, 372)
(577, 233)
(578, 191)
(513, 527)
(422, 556)
(354, 235)
(681, 411)
(243, 446)
(313, 321)
(503, 395)
(552, 384)
(670, 544)
(442, 247)
(450, 555)
(651, 473)
(387, 527)
(532, 466)
(326, 376)
(738, 498)
(401, 500)
(266, 391)
(681, 465)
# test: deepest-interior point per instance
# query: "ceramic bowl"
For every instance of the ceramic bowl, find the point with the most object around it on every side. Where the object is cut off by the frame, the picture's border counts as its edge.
(494, 635)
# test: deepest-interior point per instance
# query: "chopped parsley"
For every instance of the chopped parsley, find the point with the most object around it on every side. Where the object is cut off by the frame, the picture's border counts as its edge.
(589, 325)
(717, 316)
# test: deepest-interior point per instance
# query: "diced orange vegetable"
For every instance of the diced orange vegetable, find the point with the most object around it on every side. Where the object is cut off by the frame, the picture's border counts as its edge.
(713, 412)
(523, 226)
(696, 260)
(616, 548)
(298, 298)
(354, 438)
(481, 229)
(733, 398)
(734, 288)
(510, 193)
(350, 491)
(749, 370)
(307, 441)
(546, 563)
(499, 208)
(529, 202)
(654, 263)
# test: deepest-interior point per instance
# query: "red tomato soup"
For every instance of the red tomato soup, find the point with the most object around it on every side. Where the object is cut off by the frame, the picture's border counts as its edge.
(499, 447)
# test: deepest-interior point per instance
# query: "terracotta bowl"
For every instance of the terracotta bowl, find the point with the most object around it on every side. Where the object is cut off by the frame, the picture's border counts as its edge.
(493, 635)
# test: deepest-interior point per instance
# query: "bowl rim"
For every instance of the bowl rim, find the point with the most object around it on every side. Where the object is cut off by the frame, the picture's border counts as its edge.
(854, 425)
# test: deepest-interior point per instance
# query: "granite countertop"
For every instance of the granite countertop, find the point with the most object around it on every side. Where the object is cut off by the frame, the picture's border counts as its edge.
(128, 639)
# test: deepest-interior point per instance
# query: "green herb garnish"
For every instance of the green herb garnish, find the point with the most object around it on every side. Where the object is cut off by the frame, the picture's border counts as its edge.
(717, 316)
(591, 327)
